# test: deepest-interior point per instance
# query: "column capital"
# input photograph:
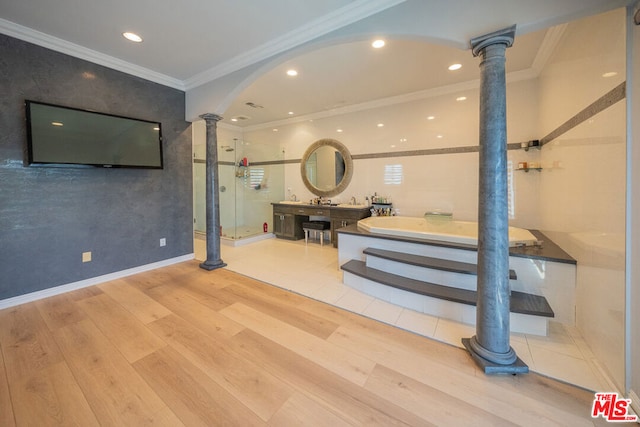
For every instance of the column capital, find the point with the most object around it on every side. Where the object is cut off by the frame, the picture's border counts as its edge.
(211, 117)
(504, 36)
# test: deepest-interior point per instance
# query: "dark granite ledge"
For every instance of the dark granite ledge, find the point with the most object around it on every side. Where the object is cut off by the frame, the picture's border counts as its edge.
(549, 251)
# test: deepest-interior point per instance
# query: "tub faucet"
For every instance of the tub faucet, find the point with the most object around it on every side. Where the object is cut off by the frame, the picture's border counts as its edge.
(439, 214)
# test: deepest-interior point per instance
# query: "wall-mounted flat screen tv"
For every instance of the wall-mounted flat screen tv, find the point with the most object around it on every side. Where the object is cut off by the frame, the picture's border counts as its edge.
(59, 136)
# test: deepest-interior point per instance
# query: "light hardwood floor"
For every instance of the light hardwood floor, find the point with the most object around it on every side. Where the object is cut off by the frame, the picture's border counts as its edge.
(183, 346)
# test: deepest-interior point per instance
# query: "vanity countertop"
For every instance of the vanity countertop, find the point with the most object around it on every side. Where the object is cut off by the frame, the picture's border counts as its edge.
(331, 206)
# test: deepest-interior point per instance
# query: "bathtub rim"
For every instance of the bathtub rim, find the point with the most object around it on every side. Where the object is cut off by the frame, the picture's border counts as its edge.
(549, 251)
(447, 237)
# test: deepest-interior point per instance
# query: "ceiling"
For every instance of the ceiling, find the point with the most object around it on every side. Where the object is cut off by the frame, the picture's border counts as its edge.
(189, 43)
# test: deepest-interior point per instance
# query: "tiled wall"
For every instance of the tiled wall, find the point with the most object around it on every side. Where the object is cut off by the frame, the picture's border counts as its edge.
(447, 180)
(582, 188)
(50, 216)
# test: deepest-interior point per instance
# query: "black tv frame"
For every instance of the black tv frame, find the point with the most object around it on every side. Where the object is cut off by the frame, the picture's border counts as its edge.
(29, 155)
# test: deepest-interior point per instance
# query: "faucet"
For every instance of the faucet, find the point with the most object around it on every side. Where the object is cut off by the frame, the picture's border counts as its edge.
(353, 200)
(438, 214)
(294, 198)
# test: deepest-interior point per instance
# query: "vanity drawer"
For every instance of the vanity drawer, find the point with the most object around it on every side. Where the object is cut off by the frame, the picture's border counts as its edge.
(281, 209)
(317, 211)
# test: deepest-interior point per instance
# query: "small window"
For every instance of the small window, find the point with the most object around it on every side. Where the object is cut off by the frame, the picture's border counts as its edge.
(256, 175)
(393, 174)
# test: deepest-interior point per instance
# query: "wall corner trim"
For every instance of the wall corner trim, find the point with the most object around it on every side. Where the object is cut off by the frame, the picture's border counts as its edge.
(57, 290)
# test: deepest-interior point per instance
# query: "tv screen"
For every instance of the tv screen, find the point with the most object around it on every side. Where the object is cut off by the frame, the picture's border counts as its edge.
(58, 135)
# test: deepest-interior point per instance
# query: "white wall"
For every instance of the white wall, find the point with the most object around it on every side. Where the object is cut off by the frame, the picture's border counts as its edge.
(443, 181)
(582, 188)
(633, 268)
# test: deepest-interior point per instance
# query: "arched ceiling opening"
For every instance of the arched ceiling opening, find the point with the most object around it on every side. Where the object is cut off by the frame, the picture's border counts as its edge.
(332, 77)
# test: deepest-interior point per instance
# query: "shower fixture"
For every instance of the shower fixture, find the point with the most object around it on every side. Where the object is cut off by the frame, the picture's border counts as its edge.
(227, 148)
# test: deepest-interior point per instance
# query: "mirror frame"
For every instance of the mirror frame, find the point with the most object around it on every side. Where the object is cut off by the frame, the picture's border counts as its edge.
(348, 167)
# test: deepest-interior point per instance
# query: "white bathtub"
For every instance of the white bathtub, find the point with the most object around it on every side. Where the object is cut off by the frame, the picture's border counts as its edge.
(438, 229)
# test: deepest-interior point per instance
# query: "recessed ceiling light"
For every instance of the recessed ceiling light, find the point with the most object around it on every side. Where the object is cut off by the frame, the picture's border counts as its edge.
(380, 125)
(292, 73)
(438, 136)
(461, 98)
(378, 43)
(393, 145)
(57, 124)
(233, 119)
(339, 130)
(290, 113)
(132, 36)
(431, 117)
(610, 74)
(275, 130)
(454, 67)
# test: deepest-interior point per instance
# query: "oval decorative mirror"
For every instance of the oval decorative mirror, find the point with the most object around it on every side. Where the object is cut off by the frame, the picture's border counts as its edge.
(326, 167)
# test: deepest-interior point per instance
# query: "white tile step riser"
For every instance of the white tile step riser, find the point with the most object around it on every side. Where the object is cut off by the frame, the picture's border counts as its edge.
(463, 313)
(440, 277)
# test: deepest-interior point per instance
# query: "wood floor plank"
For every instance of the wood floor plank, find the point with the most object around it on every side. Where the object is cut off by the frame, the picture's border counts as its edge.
(281, 310)
(337, 359)
(260, 391)
(166, 417)
(185, 304)
(430, 404)
(194, 397)
(301, 410)
(51, 397)
(125, 331)
(114, 390)
(479, 390)
(135, 301)
(6, 409)
(218, 348)
(59, 310)
(26, 341)
(347, 400)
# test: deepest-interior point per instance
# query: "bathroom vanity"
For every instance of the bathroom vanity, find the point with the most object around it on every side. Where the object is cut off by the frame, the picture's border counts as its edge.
(326, 169)
(289, 216)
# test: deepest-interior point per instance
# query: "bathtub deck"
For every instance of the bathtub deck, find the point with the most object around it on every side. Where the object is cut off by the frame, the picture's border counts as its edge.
(549, 251)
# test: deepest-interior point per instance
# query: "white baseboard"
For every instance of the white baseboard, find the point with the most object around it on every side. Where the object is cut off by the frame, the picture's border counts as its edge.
(57, 290)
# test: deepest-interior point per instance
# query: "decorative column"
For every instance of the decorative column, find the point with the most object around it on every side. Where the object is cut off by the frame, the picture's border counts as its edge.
(490, 346)
(213, 195)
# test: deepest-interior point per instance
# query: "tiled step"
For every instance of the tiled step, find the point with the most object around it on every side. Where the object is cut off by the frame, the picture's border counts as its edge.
(429, 262)
(521, 302)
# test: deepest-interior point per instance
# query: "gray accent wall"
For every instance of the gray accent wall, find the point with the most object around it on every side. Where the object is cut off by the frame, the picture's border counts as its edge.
(50, 216)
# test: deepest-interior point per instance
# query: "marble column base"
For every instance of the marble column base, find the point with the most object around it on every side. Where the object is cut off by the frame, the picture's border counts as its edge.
(488, 367)
(212, 265)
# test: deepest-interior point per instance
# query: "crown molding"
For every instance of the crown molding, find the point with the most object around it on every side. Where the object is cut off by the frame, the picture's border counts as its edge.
(513, 77)
(339, 18)
(551, 39)
(41, 39)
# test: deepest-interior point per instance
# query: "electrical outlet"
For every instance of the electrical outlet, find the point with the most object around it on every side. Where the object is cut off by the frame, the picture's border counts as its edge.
(163, 242)
(86, 256)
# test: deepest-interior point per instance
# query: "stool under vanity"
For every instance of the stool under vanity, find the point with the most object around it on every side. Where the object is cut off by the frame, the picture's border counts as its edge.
(288, 219)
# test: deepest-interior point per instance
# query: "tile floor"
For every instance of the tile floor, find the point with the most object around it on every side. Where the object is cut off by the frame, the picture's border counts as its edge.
(312, 270)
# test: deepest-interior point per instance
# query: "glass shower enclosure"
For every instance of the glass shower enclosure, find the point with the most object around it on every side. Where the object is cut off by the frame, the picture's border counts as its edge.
(251, 177)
